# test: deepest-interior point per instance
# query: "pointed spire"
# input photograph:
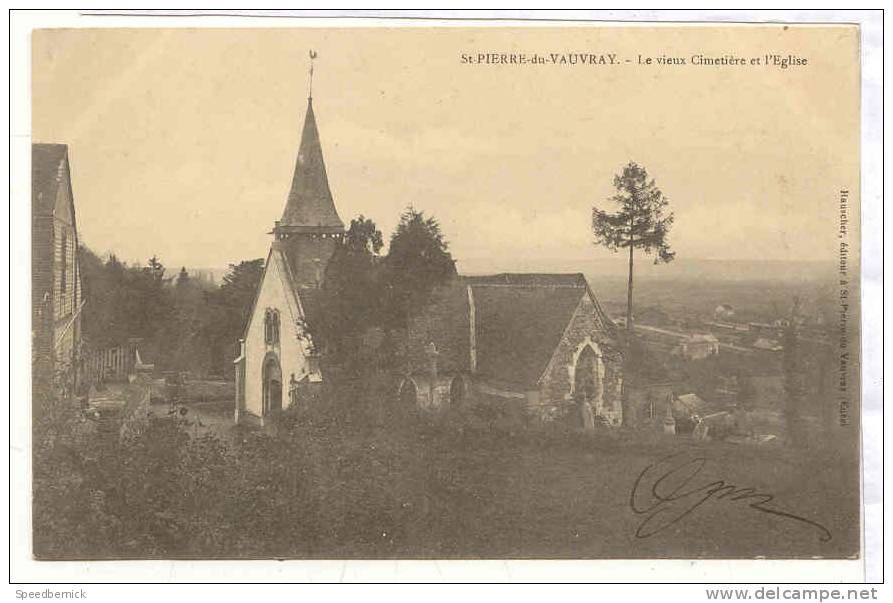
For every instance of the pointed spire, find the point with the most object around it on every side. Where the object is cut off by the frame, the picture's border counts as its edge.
(310, 205)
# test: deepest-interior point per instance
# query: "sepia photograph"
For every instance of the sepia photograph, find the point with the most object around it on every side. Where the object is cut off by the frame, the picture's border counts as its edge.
(567, 292)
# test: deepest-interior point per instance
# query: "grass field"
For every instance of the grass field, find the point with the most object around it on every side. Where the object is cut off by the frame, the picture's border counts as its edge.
(575, 502)
(344, 484)
(474, 494)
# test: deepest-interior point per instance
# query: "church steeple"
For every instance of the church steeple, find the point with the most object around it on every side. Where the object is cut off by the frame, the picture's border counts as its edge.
(310, 228)
(310, 207)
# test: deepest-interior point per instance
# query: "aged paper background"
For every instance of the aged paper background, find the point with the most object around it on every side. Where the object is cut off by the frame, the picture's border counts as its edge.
(753, 156)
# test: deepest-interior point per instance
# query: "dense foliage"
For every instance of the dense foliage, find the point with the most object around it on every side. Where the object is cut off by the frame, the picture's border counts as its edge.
(418, 260)
(331, 481)
(642, 220)
(184, 322)
(366, 292)
(353, 289)
(190, 324)
(363, 481)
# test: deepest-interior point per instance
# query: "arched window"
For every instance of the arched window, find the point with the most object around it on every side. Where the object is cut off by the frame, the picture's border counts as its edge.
(271, 326)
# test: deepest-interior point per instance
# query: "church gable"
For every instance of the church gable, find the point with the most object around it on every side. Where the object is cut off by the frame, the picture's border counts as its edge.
(276, 348)
(276, 291)
(586, 332)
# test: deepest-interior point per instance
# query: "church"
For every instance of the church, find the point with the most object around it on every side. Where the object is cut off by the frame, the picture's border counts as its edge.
(537, 345)
(538, 342)
(277, 356)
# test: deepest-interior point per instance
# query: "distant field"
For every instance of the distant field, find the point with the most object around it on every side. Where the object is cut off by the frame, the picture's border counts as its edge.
(686, 297)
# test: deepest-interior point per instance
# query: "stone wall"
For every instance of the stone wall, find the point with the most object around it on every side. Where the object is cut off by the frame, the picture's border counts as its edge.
(557, 385)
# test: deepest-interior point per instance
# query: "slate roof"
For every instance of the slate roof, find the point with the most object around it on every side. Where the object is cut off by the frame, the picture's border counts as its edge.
(46, 162)
(310, 205)
(519, 322)
(519, 327)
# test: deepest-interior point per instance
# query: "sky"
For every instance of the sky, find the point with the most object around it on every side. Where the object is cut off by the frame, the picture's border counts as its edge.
(183, 141)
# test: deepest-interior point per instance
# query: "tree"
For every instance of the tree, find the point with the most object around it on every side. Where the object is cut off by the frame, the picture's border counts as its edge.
(122, 301)
(363, 237)
(150, 307)
(182, 278)
(228, 309)
(97, 295)
(353, 288)
(179, 340)
(642, 222)
(418, 260)
(155, 268)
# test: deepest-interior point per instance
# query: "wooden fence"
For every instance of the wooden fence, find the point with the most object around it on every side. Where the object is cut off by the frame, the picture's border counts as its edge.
(114, 364)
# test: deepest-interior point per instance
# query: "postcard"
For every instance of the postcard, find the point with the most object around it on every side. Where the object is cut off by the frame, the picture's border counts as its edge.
(574, 291)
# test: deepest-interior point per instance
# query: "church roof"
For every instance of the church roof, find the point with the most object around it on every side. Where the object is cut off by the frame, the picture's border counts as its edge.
(519, 327)
(519, 322)
(47, 162)
(310, 205)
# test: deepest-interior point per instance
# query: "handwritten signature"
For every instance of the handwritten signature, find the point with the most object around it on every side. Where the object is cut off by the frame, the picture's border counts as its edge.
(664, 495)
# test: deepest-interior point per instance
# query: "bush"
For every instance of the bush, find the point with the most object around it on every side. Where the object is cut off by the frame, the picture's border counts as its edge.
(348, 478)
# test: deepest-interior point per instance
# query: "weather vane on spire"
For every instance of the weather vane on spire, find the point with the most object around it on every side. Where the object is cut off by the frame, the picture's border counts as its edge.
(312, 56)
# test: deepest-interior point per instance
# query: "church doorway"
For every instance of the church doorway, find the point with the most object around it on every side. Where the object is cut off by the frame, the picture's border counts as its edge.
(408, 395)
(586, 377)
(272, 385)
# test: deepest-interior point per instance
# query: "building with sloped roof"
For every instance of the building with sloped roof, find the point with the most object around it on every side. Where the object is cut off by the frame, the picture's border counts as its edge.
(277, 355)
(540, 340)
(56, 293)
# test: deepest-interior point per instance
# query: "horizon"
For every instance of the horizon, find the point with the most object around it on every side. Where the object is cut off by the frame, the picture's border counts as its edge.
(645, 271)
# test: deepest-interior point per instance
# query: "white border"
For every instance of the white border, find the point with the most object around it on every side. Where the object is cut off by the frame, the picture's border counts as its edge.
(23, 568)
